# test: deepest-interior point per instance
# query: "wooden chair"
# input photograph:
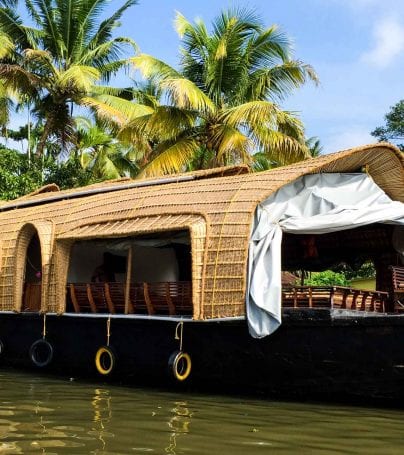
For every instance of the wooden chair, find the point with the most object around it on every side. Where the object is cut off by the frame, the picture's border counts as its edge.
(397, 275)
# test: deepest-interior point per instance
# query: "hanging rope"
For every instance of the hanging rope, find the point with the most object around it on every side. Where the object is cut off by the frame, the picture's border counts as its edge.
(44, 326)
(180, 329)
(108, 329)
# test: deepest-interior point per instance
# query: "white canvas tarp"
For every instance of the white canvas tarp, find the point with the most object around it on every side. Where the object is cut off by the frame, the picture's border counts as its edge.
(313, 204)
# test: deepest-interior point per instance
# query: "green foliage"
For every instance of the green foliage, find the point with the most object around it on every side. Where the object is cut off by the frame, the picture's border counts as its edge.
(393, 130)
(341, 275)
(18, 176)
(366, 270)
(56, 62)
(326, 278)
(68, 174)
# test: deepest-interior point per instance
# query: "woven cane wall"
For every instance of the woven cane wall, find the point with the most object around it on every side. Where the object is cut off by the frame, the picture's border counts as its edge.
(227, 205)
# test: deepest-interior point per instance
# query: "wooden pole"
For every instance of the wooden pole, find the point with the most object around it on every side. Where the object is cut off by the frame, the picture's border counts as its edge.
(128, 277)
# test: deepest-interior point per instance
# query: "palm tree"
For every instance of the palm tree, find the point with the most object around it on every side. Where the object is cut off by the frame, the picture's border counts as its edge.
(221, 105)
(101, 153)
(58, 61)
(314, 145)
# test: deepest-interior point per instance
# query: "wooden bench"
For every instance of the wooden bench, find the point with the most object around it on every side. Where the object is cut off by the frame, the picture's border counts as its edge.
(397, 275)
(115, 295)
(334, 297)
(79, 295)
(160, 298)
(97, 297)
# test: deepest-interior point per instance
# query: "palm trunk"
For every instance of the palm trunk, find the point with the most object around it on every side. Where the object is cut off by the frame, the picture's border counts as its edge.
(29, 136)
(44, 137)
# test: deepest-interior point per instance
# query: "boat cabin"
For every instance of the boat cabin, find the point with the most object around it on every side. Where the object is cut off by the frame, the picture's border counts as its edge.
(179, 246)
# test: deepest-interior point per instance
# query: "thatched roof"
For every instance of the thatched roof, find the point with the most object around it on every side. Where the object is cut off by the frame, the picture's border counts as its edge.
(218, 211)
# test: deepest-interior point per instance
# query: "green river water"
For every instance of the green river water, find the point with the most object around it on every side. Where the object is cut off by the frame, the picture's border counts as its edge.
(55, 416)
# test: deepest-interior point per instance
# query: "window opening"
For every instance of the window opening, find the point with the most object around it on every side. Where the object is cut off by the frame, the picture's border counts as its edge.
(145, 274)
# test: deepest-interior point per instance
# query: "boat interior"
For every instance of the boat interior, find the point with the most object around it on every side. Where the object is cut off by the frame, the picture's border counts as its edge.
(347, 249)
(152, 274)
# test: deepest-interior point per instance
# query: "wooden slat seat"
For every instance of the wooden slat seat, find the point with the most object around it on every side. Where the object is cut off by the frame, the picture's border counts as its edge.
(170, 297)
(96, 294)
(115, 297)
(79, 295)
(138, 301)
(397, 276)
(181, 296)
(158, 298)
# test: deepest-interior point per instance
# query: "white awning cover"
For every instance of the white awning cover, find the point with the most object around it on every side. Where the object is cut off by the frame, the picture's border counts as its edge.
(313, 204)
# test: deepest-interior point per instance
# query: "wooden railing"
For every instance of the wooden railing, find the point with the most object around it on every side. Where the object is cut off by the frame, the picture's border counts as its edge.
(162, 298)
(336, 297)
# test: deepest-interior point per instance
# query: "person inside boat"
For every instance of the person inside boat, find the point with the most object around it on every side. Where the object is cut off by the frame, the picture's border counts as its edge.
(105, 271)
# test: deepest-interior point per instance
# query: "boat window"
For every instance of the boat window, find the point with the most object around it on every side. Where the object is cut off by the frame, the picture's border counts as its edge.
(146, 274)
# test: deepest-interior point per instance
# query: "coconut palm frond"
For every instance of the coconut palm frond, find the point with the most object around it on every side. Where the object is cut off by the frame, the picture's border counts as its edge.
(16, 78)
(7, 45)
(262, 162)
(104, 111)
(251, 113)
(231, 144)
(153, 68)
(278, 146)
(171, 157)
(185, 94)
(165, 123)
(278, 81)
(104, 32)
(118, 110)
(79, 76)
(11, 24)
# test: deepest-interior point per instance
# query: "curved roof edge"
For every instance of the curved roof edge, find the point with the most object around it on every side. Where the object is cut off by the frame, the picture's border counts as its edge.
(382, 161)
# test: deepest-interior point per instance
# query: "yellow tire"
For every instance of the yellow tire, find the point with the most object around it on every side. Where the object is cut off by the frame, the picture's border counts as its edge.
(180, 365)
(105, 360)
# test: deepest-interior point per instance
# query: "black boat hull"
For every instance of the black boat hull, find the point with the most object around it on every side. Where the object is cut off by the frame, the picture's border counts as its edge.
(313, 355)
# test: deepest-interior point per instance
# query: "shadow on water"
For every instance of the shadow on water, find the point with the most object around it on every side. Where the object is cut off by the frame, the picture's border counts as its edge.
(51, 416)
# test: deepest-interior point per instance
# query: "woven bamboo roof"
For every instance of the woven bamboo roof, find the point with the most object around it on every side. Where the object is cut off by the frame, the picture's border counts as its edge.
(217, 211)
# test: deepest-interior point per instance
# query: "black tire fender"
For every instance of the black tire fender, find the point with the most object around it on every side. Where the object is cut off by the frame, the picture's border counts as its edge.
(179, 365)
(41, 353)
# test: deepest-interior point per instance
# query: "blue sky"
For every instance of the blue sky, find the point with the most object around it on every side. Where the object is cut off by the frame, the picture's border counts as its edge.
(356, 47)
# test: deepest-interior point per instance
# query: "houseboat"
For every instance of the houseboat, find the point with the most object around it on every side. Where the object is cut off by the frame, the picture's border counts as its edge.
(177, 281)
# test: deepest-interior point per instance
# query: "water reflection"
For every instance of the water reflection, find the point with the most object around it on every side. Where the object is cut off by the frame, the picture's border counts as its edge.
(178, 424)
(49, 416)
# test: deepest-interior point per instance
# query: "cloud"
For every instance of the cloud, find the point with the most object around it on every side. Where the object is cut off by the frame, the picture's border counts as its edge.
(389, 37)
